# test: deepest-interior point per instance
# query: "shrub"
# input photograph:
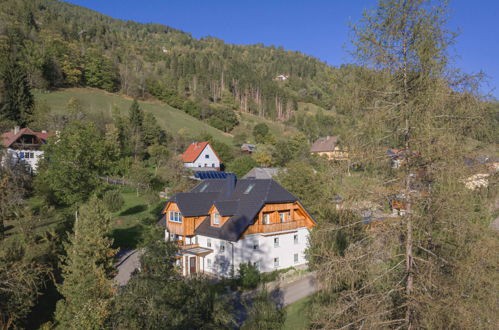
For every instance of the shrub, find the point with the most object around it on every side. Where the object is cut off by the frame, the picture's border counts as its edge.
(113, 200)
(249, 276)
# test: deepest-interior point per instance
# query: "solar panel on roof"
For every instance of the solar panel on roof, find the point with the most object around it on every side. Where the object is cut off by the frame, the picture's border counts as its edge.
(211, 175)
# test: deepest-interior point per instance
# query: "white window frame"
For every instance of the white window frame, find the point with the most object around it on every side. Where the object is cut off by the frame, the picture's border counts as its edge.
(276, 262)
(276, 242)
(266, 219)
(283, 216)
(222, 246)
(208, 242)
(296, 258)
(175, 217)
(208, 263)
(216, 218)
(256, 245)
(295, 239)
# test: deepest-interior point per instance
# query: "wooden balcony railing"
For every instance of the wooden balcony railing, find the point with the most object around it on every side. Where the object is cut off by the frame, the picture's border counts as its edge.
(183, 246)
(290, 225)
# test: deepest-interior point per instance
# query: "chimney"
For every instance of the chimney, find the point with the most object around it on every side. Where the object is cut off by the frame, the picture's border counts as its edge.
(16, 129)
(230, 184)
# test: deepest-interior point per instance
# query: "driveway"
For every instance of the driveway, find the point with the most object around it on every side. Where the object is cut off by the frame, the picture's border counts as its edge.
(126, 265)
(299, 289)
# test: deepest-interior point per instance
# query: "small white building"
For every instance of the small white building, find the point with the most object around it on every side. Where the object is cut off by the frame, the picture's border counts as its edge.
(222, 223)
(281, 77)
(24, 146)
(201, 155)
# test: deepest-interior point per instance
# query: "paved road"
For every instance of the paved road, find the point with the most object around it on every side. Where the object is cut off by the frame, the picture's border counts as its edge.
(299, 289)
(126, 265)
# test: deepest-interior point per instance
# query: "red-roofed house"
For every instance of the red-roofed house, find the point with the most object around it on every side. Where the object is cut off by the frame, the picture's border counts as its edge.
(201, 155)
(24, 145)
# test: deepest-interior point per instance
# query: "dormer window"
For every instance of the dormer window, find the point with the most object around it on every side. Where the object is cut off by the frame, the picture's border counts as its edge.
(215, 219)
(266, 218)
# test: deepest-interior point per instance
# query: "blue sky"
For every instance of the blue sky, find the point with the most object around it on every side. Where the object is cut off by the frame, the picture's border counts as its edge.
(314, 27)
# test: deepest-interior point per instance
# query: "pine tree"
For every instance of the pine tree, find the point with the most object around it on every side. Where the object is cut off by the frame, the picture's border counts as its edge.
(136, 119)
(17, 101)
(87, 271)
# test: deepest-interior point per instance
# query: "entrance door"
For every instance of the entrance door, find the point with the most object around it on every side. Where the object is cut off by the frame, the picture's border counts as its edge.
(192, 264)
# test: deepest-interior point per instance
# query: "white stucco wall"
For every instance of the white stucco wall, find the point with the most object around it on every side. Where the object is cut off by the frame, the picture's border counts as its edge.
(221, 262)
(14, 155)
(203, 161)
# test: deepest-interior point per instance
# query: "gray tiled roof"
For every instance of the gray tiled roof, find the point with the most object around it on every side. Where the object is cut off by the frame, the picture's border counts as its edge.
(324, 144)
(261, 173)
(241, 200)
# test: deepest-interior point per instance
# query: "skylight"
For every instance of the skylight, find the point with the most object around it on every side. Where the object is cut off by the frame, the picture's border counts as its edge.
(250, 187)
(203, 188)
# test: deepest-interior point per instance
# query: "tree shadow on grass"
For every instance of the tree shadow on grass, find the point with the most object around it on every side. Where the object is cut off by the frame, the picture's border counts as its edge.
(134, 210)
(128, 237)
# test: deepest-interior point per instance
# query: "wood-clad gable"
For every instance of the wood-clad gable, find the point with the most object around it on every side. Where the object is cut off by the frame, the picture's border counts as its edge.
(213, 210)
(186, 227)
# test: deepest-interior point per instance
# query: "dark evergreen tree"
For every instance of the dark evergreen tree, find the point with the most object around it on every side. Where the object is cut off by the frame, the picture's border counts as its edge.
(16, 101)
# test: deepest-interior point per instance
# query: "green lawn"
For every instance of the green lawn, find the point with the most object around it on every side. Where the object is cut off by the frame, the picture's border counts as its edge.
(296, 316)
(97, 102)
(130, 223)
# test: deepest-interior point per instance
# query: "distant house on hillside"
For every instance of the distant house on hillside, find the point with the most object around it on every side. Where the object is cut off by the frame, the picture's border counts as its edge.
(24, 146)
(262, 173)
(328, 146)
(200, 155)
(247, 148)
(223, 223)
(281, 77)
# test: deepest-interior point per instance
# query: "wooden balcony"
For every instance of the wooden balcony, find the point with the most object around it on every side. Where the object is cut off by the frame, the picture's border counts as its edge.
(182, 246)
(282, 226)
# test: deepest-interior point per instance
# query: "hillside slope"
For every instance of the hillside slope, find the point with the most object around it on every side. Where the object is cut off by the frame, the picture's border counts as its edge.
(61, 45)
(97, 102)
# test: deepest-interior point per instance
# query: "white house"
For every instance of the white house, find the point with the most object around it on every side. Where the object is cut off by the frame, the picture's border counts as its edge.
(222, 223)
(200, 155)
(24, 146)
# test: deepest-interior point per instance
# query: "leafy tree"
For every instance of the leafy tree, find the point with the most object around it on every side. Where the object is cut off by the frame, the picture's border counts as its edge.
(159, 297)
(264, 313)
(140, 177)
(114, 200)
(87, 270)
(100, 72)
(242, 165)
(249, 276)
(74, 161)
(21, 280)
(305, 183)
(263, 155)
(158, 154)
(260, 132)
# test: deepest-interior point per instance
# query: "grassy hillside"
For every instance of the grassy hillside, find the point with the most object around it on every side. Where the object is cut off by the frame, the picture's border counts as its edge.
(96, 102)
